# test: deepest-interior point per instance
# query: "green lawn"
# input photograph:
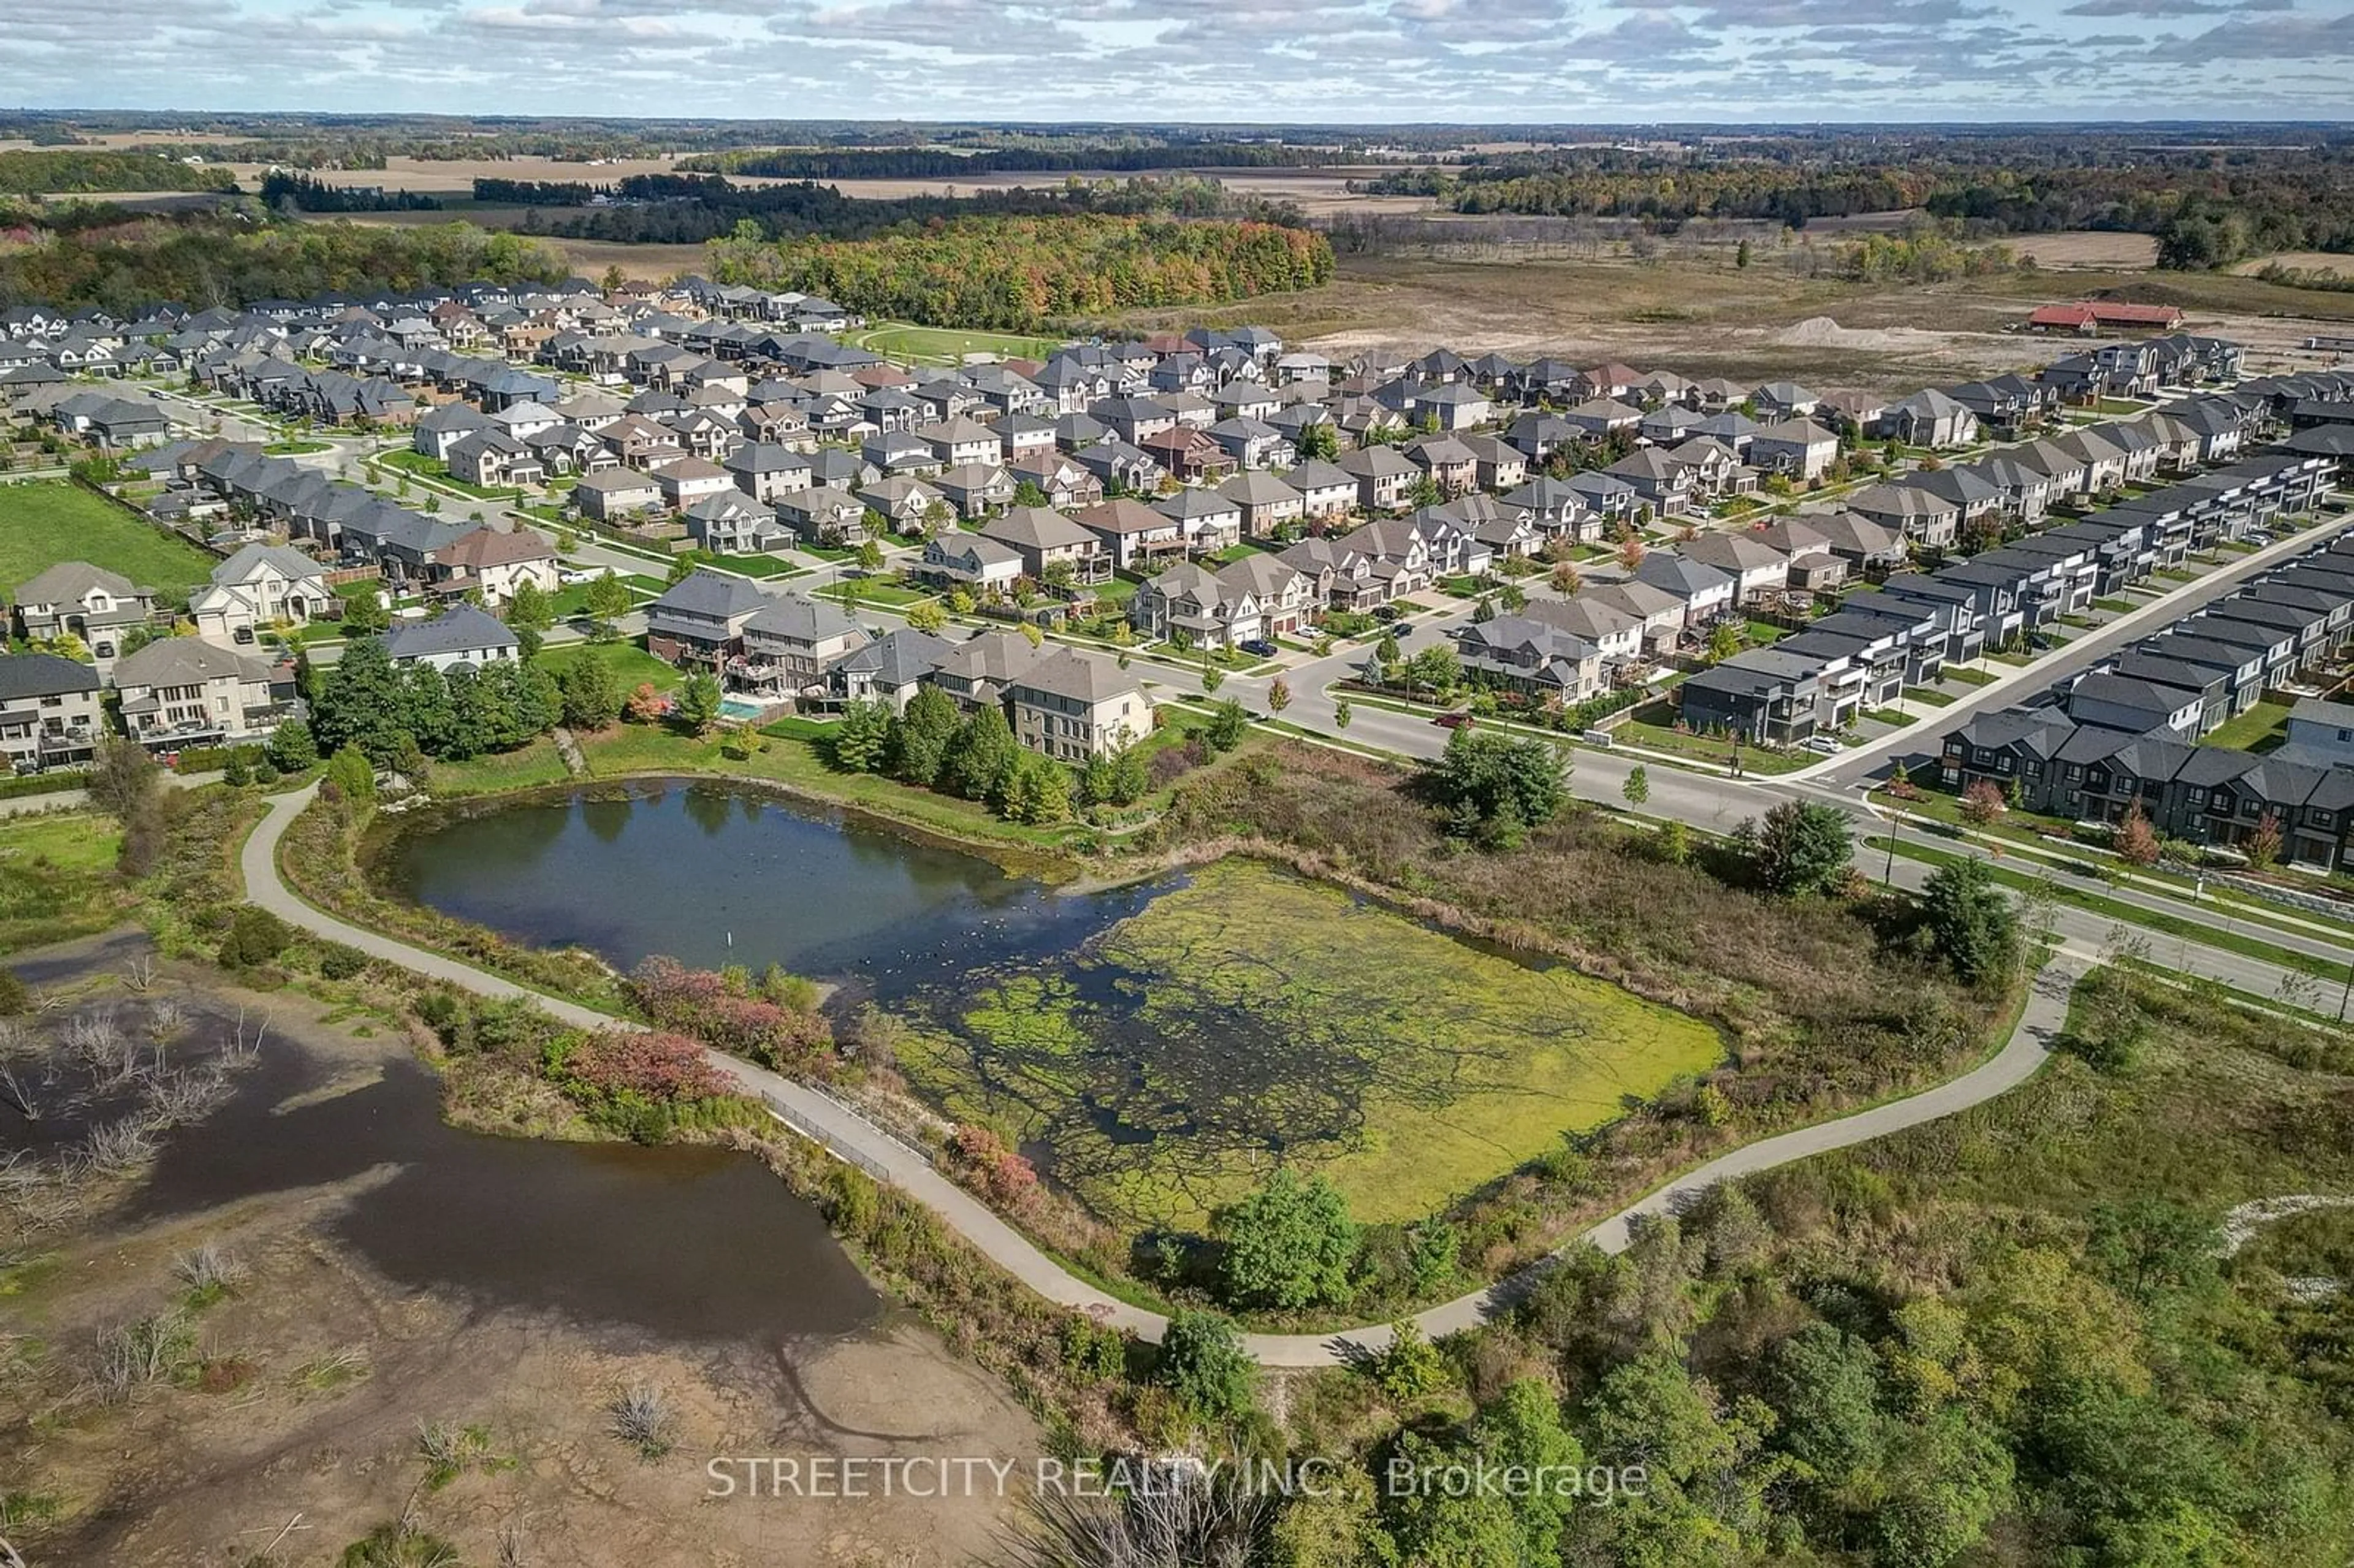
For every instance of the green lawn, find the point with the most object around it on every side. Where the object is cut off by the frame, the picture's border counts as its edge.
(44, 521)
(631, 663)
(537, 763)
(758, 565)
(871, 591)
(425, 467)
(1924, 695)
(947, 345)
(2261, 728)
(1969, 676)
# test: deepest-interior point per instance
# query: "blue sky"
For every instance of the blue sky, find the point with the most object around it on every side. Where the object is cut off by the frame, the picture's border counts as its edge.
(1354, 62)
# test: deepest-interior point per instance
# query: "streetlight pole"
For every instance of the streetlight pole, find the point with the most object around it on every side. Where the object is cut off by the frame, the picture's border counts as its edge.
(1888, 874)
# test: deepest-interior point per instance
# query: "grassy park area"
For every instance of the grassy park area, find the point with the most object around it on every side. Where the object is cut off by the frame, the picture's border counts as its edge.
(945, 345)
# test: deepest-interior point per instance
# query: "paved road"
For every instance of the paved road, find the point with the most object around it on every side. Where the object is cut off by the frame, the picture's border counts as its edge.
(2013, 682)
(851, 1137)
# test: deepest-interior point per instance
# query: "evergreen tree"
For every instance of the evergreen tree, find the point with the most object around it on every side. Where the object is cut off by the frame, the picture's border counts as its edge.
(924, 730)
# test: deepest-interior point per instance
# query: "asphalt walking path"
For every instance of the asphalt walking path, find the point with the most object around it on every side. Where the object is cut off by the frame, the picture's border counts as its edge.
(849, 1136)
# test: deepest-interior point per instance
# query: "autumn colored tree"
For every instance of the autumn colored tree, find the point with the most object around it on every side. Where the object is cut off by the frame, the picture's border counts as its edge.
(1982, 804)
(2136, 841)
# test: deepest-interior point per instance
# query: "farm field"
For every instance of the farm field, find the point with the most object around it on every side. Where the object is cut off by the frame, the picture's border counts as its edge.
(50, 521)
(1232, 1023)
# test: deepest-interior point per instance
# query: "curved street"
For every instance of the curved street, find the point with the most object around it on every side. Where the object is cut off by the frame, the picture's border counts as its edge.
(852, 1138)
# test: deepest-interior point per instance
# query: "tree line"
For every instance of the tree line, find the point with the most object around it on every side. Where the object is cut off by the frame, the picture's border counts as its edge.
(281, 190)
(124, 262)
(84, 169)
(2207, 207)
(940, 163)
(1019, 274)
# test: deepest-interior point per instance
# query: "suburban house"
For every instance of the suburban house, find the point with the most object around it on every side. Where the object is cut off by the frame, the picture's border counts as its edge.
(615, 494)
(1043, 537)
(700, 618)
(733, 524)
(1383, 475)
(495, 565)
(1532, 656)
(887, 669)
(1755, 566)
(89, 602)
(789, 645)
(1268, 504)
(1072, 705)
(259, 587)
(975, 490)
(1132, 533)
(49, 712)
(1195, 604)
(973, 561)
(1797, 447)
(1326, 490)
(460, 634)
(184, 691)
(764, 471)
(1706, 592)
(823, 515)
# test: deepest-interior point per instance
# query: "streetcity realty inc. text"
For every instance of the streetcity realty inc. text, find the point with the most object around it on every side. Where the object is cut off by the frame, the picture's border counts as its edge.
(830, 1477)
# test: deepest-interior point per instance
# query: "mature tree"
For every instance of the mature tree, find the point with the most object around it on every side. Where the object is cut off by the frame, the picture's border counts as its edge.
(1630, 551)
(1493, 786)
(862, 741)
(1565, 577)
(925, 731)
(1228, 724)
(429, 703)
(1801, 847)
(680, 570)
(124, 777)
(1971, 923)
(365, 615)
(350, 776)
(870, 555)
(1288, 1244)
(1638, 787)
(292, 748)
(1826, 1385)
(1472, 1527)
(591, 693)
(1703, 1502)
(1513, 597)
(1034, 790)
(2148, 1245)
(1436, 669)
(607, 601)
(1725, 640)
(928, 616)
(1483, 611)
(362, 702)
(530, 608)
(979, 754)
(1202, 1363)
(697, 707)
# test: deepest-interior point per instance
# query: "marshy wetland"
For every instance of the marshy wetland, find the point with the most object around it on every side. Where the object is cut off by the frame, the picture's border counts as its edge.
(306, 1303)
(1156, 1048)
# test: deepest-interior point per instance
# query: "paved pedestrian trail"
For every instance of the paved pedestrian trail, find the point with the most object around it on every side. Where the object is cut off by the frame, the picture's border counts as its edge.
(853, 1137)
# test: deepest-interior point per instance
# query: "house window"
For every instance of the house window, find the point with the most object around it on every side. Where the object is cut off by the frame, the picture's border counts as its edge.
(2005, 764)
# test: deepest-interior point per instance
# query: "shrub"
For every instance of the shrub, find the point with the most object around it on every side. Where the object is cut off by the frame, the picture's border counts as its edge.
(704, 1004)
(648, 1064)
(255, 937)
(338, 962)
(996, 1171)
(14, 998)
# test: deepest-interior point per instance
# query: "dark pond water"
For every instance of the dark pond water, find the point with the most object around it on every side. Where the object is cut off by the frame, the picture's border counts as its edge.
(714, 876)
(683, 1243)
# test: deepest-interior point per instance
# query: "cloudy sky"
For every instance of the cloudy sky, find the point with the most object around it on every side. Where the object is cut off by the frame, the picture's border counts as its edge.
(1356, 61)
